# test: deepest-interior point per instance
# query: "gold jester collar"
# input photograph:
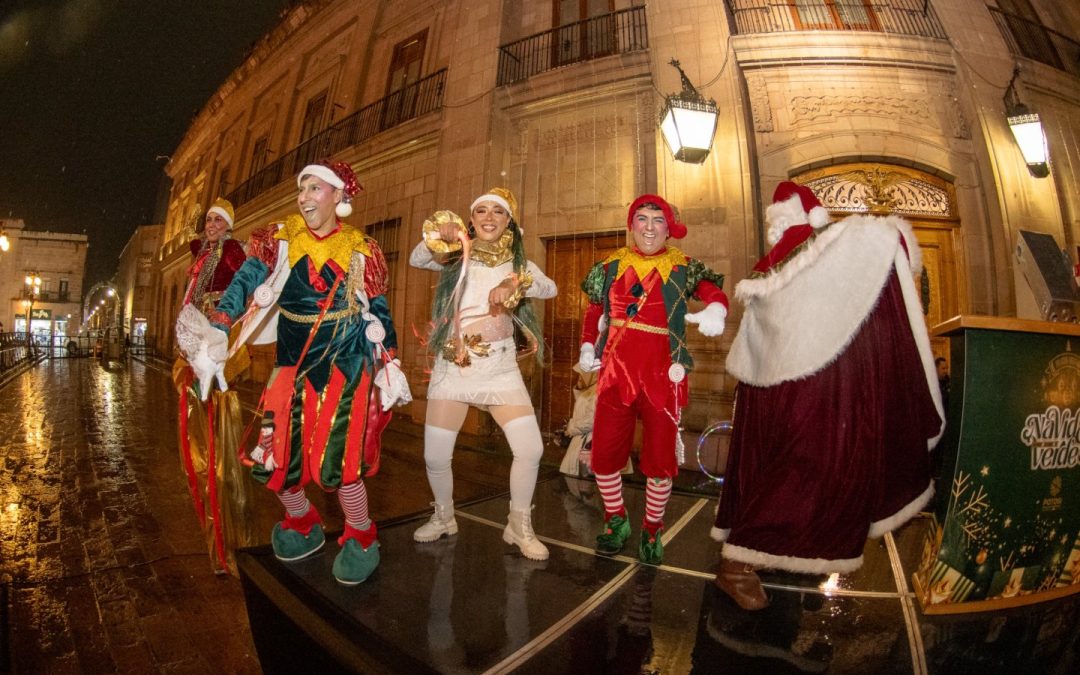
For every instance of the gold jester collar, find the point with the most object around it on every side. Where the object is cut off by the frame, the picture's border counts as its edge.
(338, 246)
(663, 263)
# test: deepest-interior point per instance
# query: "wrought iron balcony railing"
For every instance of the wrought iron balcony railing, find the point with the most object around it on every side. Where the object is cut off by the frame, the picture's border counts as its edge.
(1035, 41)
(422, 97)
(619, 32)
(899, 17)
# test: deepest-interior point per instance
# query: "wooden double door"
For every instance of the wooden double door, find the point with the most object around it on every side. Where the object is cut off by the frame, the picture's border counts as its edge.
(568, 261)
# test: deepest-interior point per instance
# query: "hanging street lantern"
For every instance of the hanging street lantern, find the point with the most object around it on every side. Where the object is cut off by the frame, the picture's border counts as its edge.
(1027, 129)
(688, 122)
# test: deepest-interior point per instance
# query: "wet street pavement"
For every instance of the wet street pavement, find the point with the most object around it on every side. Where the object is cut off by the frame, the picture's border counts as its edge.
(102, 561)
(103, 567)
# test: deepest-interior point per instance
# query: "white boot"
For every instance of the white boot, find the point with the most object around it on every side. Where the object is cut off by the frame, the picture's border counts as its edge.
(519, 532)
(442, 522)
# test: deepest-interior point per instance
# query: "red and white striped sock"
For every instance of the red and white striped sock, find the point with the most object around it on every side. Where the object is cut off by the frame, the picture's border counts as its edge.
(657, 494)
(354, 502)
(295, 501)
(610, 487)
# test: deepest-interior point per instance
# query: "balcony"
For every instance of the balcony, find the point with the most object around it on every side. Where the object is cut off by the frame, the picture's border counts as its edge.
(619, 32)
(897, 17)
(1034, 41)
(422, 97)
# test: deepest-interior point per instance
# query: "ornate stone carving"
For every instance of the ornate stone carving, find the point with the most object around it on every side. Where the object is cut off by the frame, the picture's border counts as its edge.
(520, 148)
(960, 128)
(759, 103)
(880, 190)
(807, 109)
(583, 131)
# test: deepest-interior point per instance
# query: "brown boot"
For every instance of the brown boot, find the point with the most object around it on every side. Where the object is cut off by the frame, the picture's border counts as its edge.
(743, 585)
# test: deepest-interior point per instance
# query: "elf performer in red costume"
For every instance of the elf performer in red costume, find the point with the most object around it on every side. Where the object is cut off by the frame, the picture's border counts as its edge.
(219, 495)
(838, 402)
(328, 398)
(634, 332)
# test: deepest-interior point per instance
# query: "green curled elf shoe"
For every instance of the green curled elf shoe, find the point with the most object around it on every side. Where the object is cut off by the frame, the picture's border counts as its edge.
(613, 538)
(359, 555)
(297, 537)
(651, 549)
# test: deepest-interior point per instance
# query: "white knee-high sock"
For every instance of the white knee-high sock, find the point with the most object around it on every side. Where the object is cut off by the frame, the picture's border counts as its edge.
(523, 435)
(438, 453)
(354, 502)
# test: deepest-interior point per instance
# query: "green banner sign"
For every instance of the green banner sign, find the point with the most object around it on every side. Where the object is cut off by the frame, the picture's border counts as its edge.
(1007, 522)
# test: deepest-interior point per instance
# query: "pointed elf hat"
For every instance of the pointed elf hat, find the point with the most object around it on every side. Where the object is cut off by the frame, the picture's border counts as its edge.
(338, 174)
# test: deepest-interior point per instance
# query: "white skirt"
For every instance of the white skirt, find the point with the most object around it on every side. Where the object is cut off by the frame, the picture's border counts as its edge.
(489, 380)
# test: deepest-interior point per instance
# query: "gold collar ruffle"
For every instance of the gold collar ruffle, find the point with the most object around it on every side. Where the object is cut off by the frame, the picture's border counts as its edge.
(662, 262)
(493, 254)
(338, 246)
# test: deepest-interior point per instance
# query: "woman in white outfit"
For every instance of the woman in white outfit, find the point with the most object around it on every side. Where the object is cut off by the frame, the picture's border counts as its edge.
(476, 356)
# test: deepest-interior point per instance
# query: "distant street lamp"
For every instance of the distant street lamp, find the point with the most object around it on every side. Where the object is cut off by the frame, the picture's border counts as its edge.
(4, 243)
(32, 291)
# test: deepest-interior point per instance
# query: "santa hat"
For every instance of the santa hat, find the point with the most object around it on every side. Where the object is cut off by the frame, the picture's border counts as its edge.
(338, 174)
(224, 208)
(676, 230)
(793, 204)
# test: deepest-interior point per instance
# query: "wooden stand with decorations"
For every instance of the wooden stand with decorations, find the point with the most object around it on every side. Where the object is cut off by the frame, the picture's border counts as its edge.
(1006, 521)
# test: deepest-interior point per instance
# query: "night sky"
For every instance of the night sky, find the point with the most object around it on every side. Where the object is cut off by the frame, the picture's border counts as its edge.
(93, 91)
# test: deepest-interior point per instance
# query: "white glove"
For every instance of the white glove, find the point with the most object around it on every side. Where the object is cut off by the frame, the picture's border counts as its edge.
(587, 360)
(710, 320)
(393, 386)
(206, 348)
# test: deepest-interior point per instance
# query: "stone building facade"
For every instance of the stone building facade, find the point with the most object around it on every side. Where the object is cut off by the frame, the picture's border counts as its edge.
(136, 283)
(59, 261)
(890, 106)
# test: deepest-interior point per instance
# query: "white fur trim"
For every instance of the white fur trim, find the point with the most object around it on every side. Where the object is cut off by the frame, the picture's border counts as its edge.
(790, 563)
(323, 172)
(917, 321)
(782, 215)
(343, 209)
(221, 212)
(819, 217)
(719, 534)
(880, 527)
(492, 198)
(799, 318)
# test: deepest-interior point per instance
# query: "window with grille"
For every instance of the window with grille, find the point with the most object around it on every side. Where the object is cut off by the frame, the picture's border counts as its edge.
(314, 115)
(385, 233)
(260, 150)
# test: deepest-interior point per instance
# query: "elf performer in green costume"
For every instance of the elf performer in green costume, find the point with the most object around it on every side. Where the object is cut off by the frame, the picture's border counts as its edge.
(634, 332)
(323, 282)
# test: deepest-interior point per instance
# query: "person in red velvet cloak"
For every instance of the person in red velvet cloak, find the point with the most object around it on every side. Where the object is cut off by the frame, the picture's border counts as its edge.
(838, 403)
(216, 257)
